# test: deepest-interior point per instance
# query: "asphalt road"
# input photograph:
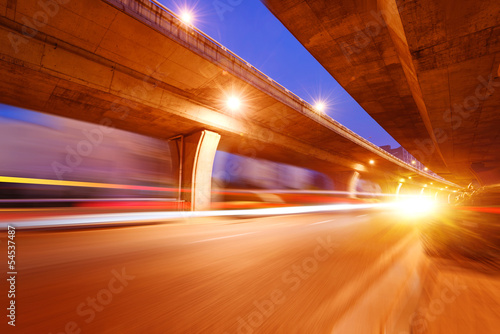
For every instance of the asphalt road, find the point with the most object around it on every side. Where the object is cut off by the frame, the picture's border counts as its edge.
(309, 273)
(459, 295)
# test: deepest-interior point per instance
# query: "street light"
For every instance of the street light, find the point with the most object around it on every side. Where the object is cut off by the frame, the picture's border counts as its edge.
(320, 106)
(186, 17)
(233, 103)
(372, 162)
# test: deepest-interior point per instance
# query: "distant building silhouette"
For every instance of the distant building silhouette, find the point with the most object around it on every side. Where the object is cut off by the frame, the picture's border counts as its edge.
(401, 153)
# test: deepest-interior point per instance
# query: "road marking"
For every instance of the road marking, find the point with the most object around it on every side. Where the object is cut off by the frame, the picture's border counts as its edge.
(322, 222)
(228, 236)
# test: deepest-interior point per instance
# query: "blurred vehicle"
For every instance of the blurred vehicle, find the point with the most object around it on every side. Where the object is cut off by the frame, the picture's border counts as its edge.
(469, 228)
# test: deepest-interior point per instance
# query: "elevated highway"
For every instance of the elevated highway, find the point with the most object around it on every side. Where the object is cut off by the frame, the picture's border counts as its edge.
(427, 71)
(133, 65)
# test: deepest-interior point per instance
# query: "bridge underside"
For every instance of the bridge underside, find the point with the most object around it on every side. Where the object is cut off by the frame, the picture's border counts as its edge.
(426, 71)
(112, 63)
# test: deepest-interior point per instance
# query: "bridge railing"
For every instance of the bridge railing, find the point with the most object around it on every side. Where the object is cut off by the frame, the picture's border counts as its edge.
(222, 47)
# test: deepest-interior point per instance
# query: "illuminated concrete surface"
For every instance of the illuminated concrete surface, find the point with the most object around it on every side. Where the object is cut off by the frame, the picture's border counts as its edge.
(132, 65)
(426, 71)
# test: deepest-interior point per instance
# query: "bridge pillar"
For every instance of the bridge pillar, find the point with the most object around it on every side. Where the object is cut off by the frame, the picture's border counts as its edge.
(398, 190)
(346, 181)
(193, 156)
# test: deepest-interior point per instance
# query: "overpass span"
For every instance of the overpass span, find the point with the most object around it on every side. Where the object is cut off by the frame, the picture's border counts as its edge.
(427, 71)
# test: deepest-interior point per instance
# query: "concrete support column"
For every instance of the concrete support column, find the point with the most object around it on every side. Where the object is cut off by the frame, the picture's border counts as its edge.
(193, 155)
(400, 185)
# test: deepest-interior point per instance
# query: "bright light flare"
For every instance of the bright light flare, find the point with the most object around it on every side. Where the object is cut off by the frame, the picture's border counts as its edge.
(320, 106)
(186, 17)
(73, 220)
(415, 207)
(372, 162)
(233, 103)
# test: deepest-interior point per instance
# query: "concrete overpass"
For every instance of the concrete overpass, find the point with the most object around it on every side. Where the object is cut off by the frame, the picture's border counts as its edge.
(133, 65)
(427, 71)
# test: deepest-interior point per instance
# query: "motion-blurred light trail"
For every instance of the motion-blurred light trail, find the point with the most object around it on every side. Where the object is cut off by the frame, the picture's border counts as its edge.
(129, 217)
(51, 182)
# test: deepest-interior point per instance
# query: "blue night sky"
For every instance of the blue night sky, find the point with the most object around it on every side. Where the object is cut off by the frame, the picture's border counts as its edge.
(250, 30)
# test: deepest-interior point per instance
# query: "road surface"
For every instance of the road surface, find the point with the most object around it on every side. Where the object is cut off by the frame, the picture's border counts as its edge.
(344, 272)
